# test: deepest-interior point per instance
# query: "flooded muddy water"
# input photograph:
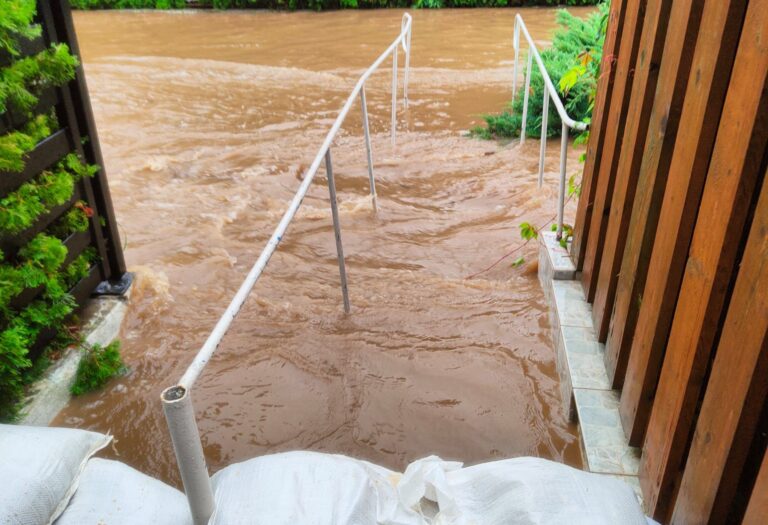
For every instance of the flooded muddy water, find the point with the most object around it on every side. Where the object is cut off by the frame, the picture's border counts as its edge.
(208, 121)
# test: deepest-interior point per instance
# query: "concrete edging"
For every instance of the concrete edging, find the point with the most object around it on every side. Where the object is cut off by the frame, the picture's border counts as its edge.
(584, 385)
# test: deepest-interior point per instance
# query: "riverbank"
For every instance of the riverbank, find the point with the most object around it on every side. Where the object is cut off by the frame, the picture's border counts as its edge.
(320, 5)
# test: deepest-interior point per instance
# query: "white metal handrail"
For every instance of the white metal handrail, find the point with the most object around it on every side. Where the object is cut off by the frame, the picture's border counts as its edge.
(177, 403)
(549, 93)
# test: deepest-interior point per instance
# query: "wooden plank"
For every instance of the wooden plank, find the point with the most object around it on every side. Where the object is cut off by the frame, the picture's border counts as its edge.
(705, 93)
(632, 150)
(685, 18)
(736, 391)
(597, 130)
(757, 509)
(617, 115)
(729, 197)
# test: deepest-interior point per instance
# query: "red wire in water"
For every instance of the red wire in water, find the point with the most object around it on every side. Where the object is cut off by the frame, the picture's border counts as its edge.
(516, 249)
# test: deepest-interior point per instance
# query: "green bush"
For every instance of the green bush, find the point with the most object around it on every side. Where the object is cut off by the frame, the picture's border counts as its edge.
(97, 366)
(573, 63)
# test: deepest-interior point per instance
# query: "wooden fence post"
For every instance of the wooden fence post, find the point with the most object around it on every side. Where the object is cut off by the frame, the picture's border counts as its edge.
(757, 508)
(597, 131)
(617, 116)
(736, 391)
(705, 93)
(632, 143)
(729, 197)
(659, 144)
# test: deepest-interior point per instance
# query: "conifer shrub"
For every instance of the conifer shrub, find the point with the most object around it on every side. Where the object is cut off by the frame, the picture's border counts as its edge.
(573, 63)
(97, 366)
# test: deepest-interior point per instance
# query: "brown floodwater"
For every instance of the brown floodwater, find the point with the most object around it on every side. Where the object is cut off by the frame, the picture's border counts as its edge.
(207, 121)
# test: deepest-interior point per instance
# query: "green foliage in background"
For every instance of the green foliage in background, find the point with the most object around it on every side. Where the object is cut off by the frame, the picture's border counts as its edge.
(41, 268)
(316, 5)
(97, 366)
(573, 63)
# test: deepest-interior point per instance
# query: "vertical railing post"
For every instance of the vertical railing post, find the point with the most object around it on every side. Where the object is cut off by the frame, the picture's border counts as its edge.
(180, 415)
(394, 94)
(525, 96)
(369, 153)
(561, 193)
(516, 45)
(544, 125)
(337, 229)
(407, 65)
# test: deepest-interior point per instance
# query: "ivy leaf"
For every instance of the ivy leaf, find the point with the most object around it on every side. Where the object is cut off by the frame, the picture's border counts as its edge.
(573, 187)
(518, 262)
(528, 231)
(571, 77)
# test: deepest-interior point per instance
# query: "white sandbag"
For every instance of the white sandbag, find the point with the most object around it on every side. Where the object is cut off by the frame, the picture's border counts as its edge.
(307, 488)
(112, 493)
(39, 467)
(520, 491)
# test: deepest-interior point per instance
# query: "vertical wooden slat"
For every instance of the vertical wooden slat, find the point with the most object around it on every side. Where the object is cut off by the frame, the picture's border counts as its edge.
(736, 391)
(609, 160)
(597, 130)
(705, 93)
(734, 174)
(659, 144)
(632, 149)
(757, 509)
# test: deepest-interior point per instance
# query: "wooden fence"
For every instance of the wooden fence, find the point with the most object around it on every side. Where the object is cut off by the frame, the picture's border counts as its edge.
(76, 133)
(671, 239)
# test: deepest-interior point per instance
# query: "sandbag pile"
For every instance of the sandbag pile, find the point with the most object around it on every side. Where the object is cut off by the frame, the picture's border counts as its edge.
(49, 477)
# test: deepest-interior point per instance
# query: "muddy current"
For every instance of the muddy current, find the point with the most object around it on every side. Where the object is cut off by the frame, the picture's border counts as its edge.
(208, 121)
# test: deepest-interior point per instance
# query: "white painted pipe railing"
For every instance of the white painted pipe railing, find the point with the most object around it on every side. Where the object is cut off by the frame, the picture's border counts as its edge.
(549, 93)
(177, 402)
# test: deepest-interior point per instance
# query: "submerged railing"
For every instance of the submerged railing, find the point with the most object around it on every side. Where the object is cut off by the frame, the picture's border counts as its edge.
(549, 92)
(177, 402)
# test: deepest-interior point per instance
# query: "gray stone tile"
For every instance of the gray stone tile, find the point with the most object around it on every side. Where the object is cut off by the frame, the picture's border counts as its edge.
(603, 438)
(572, 309)
(585, 358)
(554, 259)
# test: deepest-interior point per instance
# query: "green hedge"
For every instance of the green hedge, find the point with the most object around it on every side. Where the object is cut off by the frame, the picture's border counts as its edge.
(40, 266)
(573, 63)
(317, 5)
